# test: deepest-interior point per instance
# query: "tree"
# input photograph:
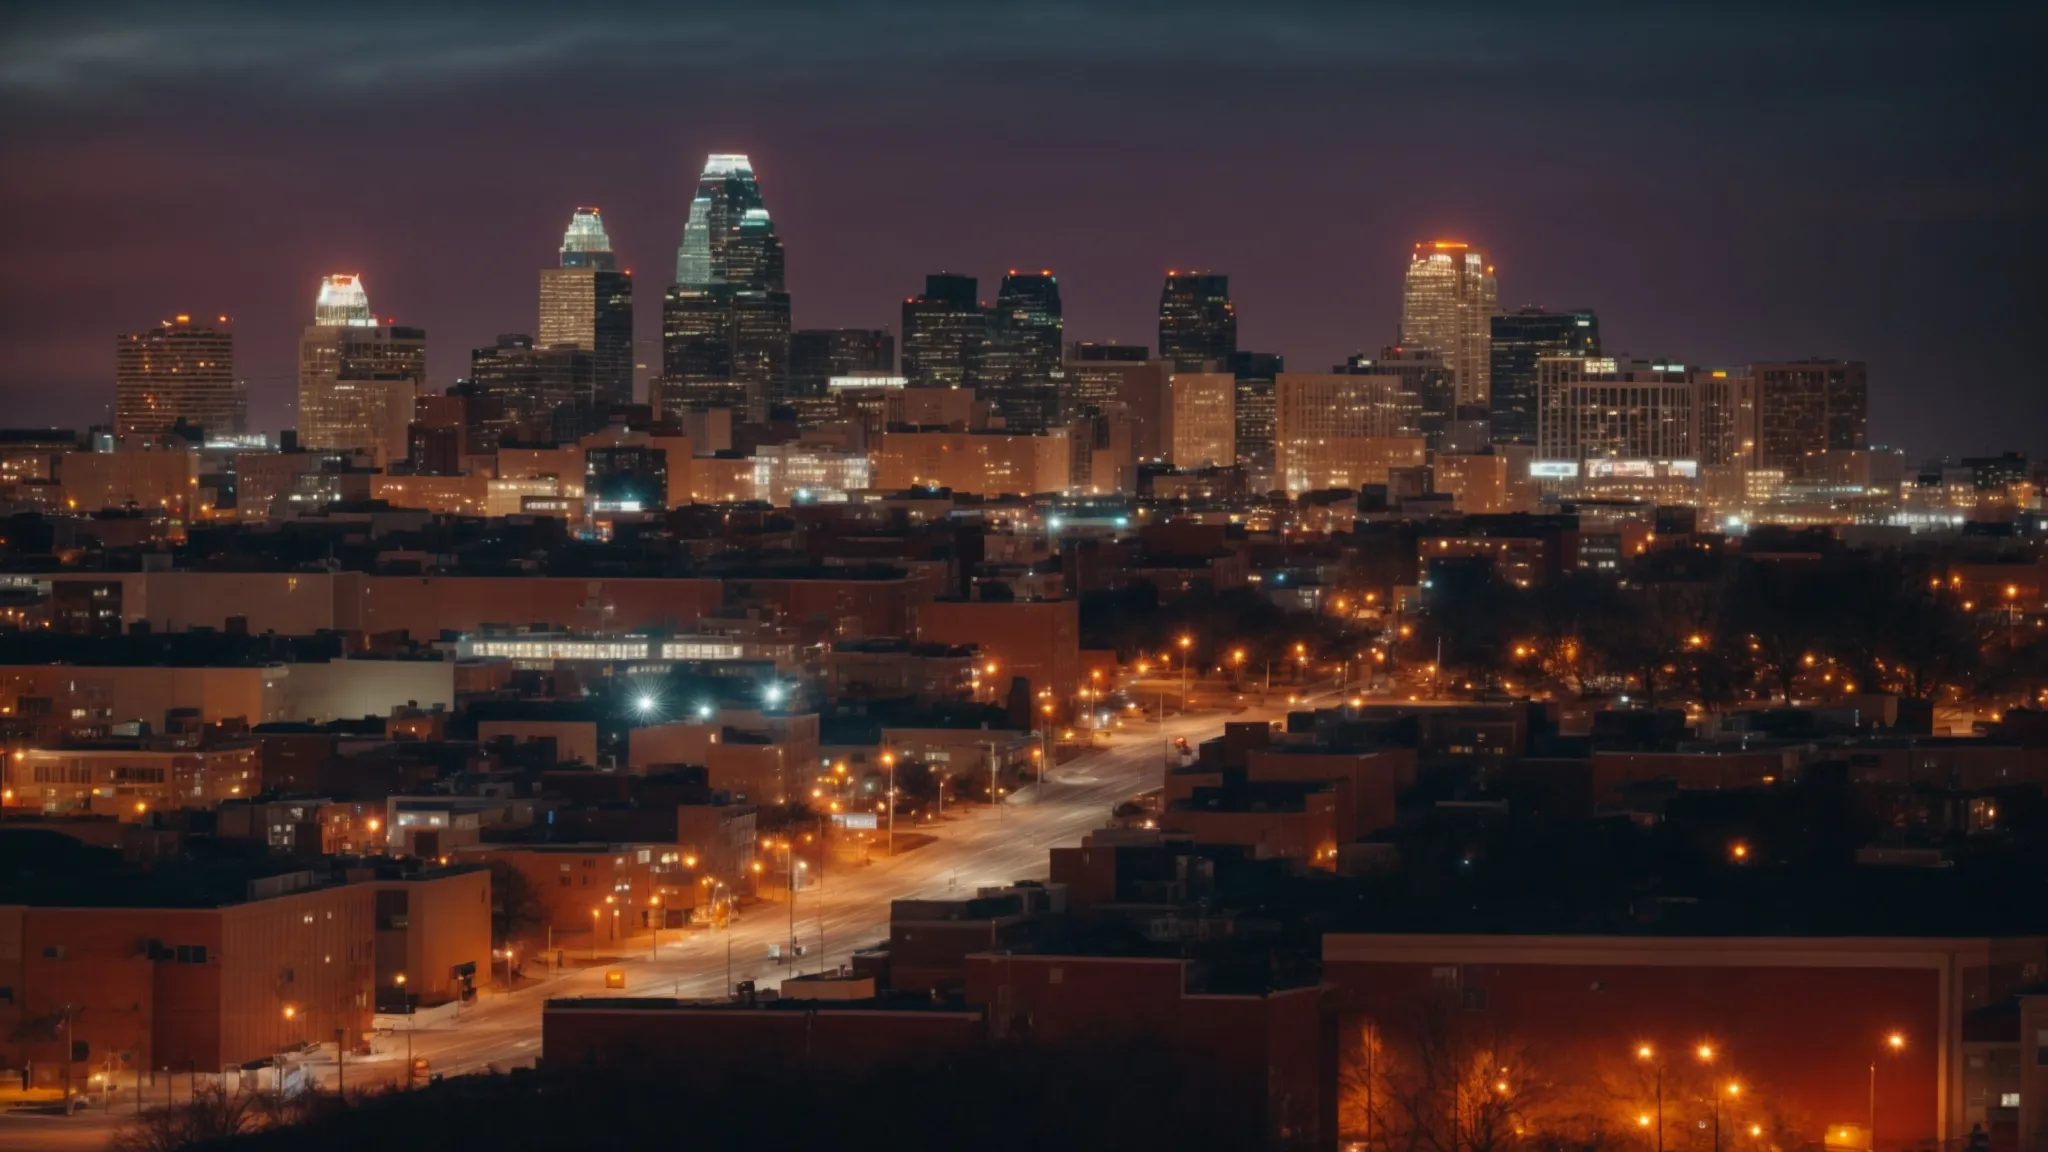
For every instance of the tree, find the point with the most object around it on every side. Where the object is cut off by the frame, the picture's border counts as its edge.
(1436, 1079)
(1784, 610)
(516, 908)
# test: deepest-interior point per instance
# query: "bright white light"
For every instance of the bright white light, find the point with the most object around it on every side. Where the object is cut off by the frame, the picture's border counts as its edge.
(644, 704)
(704, 711)
(774, 694)
(1053, 523)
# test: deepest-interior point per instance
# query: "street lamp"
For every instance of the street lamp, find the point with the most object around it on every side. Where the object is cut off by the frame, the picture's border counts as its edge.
(1649, 1055)
(1894, 1043)
(889, 762)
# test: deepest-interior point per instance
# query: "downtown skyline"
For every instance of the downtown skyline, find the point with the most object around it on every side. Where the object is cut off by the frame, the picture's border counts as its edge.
(1842, 253)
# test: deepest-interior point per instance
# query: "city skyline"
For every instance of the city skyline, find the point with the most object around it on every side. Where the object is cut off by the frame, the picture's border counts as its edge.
(1855, 244)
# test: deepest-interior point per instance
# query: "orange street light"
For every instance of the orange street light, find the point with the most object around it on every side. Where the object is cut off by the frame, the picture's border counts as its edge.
(1705, 1052)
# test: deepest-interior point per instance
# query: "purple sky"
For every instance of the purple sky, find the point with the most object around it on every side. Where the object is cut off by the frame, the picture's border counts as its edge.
(1742, 182)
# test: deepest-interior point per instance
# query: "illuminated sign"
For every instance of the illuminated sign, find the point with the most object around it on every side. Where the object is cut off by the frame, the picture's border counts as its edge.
(1553, 469)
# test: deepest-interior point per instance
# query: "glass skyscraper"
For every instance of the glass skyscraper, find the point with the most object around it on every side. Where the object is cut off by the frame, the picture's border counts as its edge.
(1519, 340)
(1197, 321)
(945, 334)
(1447, 306)
(816, 355)
(1026, 339)
(587, 303)
(725, 323)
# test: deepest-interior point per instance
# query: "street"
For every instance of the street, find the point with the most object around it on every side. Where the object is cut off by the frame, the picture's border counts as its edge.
(849, 910)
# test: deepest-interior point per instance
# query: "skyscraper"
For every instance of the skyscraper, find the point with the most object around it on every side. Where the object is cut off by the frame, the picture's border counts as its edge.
(1519, 340)
(1807, 407)
(1724, 417)
(725, 323)
(357, 378)
(588, 303)
(816, 355)
(1197, 321)
(1595, 408)
(1341, 429)
(1447, 306)
(541, 392)
(1255, 373)
(1430, 395)
(1027, 334)
(1203, 411)
(945, 333)
(178, 371)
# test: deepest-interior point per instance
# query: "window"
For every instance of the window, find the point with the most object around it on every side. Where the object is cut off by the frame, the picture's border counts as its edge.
(190, 954)
(564, 880)
(53, 952)
(1474, 999)
(2008, 1099)
(6, 994)
(1444, 977)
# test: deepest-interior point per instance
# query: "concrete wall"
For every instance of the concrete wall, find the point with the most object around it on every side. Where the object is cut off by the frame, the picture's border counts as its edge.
(349, 689)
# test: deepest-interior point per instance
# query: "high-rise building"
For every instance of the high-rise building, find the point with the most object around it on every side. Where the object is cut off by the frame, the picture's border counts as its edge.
(1137, 392)
(178, 371)
(357, 378)
(1429, 398)
(1447, 306)
(1519, 339)
(542, 392)
(1596, 408)
(588, 303)
(725, 323)
(726, 193)
(1197, 321)
(1021, 369)
(816, 355)
(945, 334)
(1255, 373)
(1807, 407)
(1203, 411)
(1341, 430)
(1724, 415)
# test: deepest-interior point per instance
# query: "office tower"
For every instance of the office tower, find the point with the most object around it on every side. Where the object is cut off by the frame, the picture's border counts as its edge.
(1092, 351)
(726, 193)
(816, 355)
(625, 477)
(945, 333)
(1519, 340)
(1020, 365)
(1197, 322)
(1430, 396)
(1447, 306)
(542, 393)
(1724, 416)
(1341, 429)
(357, 378)
(1807, 407)
(1595, 408)
(1203, 413)
(1137, 392)
(178, 371)
(725, 322)
(588, 303)
(1255, 373)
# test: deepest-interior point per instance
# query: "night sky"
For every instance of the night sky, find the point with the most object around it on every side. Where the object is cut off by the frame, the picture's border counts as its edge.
(1722, 183)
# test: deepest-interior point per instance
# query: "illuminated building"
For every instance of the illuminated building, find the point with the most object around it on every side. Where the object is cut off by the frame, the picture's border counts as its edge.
(980, 463)
(1136, 392)
(1203, 414)
(544, 393)
(1091, 351)
(816, 355)
(1197, 321)
(945, 332)
(1807, 407)
(725, 322)
(1592, 408)
(1724, 416)
(178, 371)
(1255, 372)
(1518, 340)
(1430, 392)
(1021, 367)
(1447, 306)
(357, 378)
(1341, 430)
(588, 303)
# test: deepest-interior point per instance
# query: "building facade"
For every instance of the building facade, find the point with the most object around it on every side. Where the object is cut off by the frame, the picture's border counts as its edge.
(1341, 430)
(179, 371)
(587, 303)
(1591, 408)
(945, 334)
(1808, 407)
(357, 378)
(1447, 306)
(1197, 321)
(1204, 419)
(1519, 339)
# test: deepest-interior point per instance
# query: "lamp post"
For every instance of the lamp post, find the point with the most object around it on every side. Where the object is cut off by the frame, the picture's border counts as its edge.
(1734, 1090)
(1649, 1055)
(1186, 643)
(405, 999)
(1894, 1043)
(653, 953)
(889, 762)
(594, 914)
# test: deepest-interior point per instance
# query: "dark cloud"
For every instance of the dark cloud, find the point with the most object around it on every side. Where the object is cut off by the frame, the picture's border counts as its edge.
(1722, 182)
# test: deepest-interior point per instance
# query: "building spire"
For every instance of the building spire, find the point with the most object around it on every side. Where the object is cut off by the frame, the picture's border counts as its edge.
(585, 244)
(342, 303)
